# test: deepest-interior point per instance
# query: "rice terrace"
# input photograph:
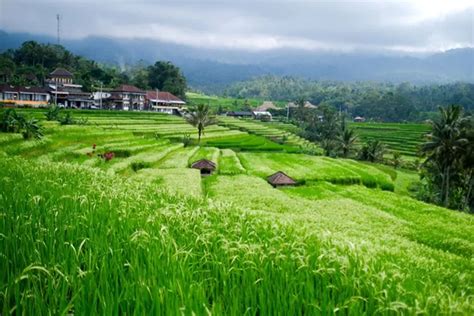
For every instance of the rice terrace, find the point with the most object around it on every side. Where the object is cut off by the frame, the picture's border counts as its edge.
(241, 158)
(144, 233)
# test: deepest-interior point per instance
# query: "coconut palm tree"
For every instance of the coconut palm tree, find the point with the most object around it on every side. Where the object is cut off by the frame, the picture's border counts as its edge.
(373, 151)
(346, 141)
(445, 145)
(200, 117)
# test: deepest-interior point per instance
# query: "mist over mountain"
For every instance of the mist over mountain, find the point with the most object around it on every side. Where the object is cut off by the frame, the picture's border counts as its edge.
(211, 70)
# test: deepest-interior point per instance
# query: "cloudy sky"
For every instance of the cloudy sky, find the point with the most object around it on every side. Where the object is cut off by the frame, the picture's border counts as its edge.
(259, 25)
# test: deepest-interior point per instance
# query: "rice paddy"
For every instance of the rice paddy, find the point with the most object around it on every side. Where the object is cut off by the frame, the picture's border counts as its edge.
(143, 233)
(402, 138)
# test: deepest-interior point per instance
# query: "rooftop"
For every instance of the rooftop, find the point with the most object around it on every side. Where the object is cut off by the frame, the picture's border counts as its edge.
(280, 178)
(61, 72)
(128, 88)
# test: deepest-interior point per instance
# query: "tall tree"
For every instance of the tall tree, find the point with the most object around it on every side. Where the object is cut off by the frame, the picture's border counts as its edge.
(445, 145)
(166, 76)
(346, 142)
(200, 117)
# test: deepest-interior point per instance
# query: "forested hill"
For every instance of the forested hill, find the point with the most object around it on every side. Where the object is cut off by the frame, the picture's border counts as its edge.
(211, 69)
(384, 101)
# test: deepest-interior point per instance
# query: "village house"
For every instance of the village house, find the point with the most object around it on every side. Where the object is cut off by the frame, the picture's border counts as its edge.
(164, 102)
(23, 96)
(126, 97)
(359, 119)
(262, 115)
(65, 93)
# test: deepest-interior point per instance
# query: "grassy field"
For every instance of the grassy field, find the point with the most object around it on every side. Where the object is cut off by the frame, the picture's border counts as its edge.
(143, 233)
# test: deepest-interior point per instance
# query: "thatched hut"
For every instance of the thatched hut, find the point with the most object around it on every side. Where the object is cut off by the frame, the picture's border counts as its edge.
(206, 167)
(279, 179)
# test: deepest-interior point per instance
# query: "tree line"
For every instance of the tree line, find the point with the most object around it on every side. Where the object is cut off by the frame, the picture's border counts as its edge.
(447, 171)
(376, 101)
(32, 62)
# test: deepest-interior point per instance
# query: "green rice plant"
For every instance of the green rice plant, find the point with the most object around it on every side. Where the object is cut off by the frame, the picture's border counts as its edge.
(148, 156)
(229, 163)
(178, 158)
(182, 181)
(77, 240)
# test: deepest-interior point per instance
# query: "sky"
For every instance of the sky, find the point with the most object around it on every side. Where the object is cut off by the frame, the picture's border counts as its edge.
(416, 26)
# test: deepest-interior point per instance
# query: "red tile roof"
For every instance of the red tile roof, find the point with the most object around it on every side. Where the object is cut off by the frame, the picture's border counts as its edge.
(128, 88)
(162, 95)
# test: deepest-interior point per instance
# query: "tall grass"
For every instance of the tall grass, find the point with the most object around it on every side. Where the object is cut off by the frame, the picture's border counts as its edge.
(78, 241)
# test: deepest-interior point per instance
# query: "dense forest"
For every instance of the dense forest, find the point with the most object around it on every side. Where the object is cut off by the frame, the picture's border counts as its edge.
(31, 64)
(377, 101)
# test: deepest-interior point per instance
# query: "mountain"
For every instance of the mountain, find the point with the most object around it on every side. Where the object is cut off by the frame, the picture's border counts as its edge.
(213, 69)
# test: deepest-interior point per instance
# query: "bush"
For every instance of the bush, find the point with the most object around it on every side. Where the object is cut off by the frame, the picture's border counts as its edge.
(137, 165)
(122, 153)
(52, 114)
(66, 119)
(186, 140)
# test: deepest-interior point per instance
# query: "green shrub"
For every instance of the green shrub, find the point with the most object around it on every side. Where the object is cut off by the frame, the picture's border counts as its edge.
(138, 165)
(52, 114)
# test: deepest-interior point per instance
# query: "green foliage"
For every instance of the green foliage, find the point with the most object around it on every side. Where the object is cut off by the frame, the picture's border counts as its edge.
(12, 122)
(449, 155)
(81, 236)
(167, 77)
(52, 114)
(186, 140)
(68, 119)
(372, 151)
(138, 165)
(200, 117)
(30, 128)
(377, 101)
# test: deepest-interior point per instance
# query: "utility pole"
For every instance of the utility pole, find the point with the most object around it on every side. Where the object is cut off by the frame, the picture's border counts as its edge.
(58, 18)
(100, 100)
(157, 98)
(287, 112)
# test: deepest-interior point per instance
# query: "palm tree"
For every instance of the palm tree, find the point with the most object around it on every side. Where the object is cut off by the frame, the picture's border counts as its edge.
(444, 145)
(346, 141)
(373, 151)
(200, 117)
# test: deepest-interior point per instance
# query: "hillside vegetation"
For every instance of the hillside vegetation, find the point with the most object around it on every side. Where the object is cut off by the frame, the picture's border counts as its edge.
(141, 232)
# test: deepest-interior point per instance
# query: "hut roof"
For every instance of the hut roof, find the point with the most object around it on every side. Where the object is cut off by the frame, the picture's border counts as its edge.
(267, 105)
(280, 178)
(203, 164)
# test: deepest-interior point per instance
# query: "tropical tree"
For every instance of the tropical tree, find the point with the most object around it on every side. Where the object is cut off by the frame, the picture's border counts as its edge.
(346, 142)
(373, 151)
(31, 129)
(200, 117)
(167, 77)
(445, 147)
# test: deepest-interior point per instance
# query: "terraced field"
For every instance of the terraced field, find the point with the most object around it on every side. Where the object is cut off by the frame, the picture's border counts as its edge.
(404, 138)
(142, 233)
(275, 131)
